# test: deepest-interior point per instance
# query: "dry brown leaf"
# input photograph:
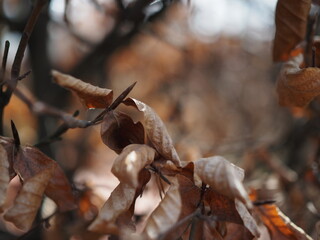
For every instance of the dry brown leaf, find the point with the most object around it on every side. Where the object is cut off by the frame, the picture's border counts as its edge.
(131, 161)
(223, 176)
(166, 214)
(118, 130)
(92, 96)
(30, 161)
(238, 232)
(295, 86)
(26, 205)
(4, 176)
(291, 25)
(280, 226)
(156, 131)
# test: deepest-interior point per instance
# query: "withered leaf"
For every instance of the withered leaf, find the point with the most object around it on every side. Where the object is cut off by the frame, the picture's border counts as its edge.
(131, 161)
(118, 130)
(156, 131)
(30, 161)
(237, 232)
(291, 25)
(119, 205)
(4, 176)
(223, 176)
(92, 96)
(280, 226)
(166, 214)
(295, 86)
(26, 205)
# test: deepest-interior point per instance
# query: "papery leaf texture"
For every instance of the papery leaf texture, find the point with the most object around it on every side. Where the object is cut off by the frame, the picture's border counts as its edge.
(118, 131)
(91, 96)
(296, 86)
(26, 205)
(4, 176)
(291, 24)
(156, 131)
(131, 161)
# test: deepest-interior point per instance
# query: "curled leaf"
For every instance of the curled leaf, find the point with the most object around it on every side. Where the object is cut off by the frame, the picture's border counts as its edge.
(118, 130)
(156, 131)
(131, 161)
(26, 205)
(92, 96)
(291, 25)
(223, 176)
(4, 175)
(295, 86)
(166, 214)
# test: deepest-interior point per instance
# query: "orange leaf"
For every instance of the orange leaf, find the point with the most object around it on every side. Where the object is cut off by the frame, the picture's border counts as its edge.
(279, 225)
(223, 176)
(30, 161)
(26, 205)
(295, 86)
(291, 24)
(118, 130)
(156, 131)
(92, 96)
(131, 161)
(4, 176)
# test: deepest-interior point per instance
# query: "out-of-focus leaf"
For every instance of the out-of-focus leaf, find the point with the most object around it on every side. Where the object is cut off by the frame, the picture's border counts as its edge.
(166, 214)
(92, 96)
(291, 25)
(118, 130)
(4, 176)
(129, 163)
(30, 161)
(26, 205)
(295, 86)
(156, 131)
(119, 207)
(223, 176)
(279, 226)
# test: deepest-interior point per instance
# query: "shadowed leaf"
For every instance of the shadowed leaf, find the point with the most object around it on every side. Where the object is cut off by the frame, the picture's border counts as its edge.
(4, 176)
(118, 130)
(156, 131)
(295, 86)
(92, 96)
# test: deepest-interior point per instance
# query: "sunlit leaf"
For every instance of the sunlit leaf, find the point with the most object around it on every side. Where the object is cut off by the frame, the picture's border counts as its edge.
(291, 25)
(223, 176)
(4, 175)
(92, 96)
(156, 131)
(297, 87)
(129, 163)
(118, 130)
(26, 205)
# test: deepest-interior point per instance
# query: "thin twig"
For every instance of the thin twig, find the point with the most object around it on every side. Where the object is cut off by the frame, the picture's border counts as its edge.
(4, 61)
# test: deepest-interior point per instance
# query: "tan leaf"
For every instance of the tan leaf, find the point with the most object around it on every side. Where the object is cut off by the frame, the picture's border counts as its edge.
(92, 96)
(128, 164)
(26, 205)
(4, 176)
(291, 25)
(280, 226)
(223, 176)
(118, 130)
(295, 86)
(156, 131)
(30, 161)
(166, 214)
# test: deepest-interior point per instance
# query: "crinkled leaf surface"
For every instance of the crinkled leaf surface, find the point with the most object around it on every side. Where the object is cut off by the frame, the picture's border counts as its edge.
(118, 130)
(295, 86)
(92, 96)
(156, 131)
(26, 205)
(4, 175)
(291, 25)
(131, 161)
(223, 176)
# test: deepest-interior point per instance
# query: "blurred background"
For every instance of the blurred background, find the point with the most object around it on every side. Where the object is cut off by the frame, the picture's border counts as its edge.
(204, 66)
